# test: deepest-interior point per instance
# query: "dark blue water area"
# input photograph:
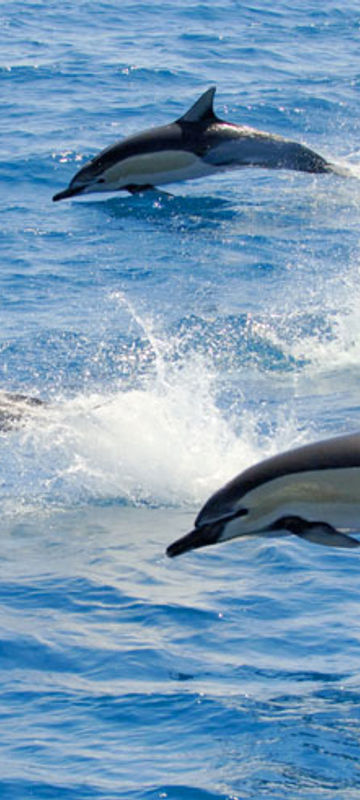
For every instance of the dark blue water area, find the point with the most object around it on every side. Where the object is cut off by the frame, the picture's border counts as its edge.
(173, 340)
(232, 673)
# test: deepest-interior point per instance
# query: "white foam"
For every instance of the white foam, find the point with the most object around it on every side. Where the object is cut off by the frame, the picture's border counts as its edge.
(164, 441)
(164, 444)
(338, 349)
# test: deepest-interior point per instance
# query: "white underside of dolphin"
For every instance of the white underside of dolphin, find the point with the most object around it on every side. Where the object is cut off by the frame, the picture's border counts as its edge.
(312, 492)
(195, 145)
(157, 168)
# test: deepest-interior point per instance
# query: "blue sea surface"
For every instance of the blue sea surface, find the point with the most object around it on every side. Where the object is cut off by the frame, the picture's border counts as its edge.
(174, 340)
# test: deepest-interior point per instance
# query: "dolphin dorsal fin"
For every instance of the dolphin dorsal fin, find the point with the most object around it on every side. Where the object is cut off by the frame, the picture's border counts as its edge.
(202, 109)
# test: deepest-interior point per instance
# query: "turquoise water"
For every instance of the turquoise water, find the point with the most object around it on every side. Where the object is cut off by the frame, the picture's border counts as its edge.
(175, 341)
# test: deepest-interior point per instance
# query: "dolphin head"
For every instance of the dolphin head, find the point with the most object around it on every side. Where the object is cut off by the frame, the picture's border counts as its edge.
(245, 524)
(211, 533)
(86, 180)
(309, 492)
(199, 537)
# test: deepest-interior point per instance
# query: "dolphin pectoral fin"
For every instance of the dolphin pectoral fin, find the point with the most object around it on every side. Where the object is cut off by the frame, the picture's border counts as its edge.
(162, 192)
(322, 533)
(148, 187)
(134, 188)
(318, 532)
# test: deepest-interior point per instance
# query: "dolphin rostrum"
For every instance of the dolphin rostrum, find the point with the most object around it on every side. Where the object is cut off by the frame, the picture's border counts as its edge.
(311, 492)
(196, 144)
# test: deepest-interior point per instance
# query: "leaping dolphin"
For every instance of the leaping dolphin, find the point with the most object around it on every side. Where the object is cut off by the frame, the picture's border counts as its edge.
(195, 145)
(310, 492)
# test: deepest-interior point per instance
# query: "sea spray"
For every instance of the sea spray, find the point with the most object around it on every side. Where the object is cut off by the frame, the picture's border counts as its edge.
(163, 438)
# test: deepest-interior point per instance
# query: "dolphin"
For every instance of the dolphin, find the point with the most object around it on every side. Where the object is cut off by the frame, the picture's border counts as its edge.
(311, 492)
(195, 145)
(16, 409)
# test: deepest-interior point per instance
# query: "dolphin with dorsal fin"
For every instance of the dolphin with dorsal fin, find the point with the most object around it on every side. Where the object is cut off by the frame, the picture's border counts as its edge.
(312, 492)
(195, 145)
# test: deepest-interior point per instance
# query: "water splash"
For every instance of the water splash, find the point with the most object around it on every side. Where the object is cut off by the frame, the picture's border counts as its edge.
(163, 441)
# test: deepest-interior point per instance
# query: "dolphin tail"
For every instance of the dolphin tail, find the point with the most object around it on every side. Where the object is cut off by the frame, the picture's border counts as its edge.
(343, 172)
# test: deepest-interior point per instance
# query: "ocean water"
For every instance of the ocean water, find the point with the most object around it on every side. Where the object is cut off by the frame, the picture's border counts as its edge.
(174, 341)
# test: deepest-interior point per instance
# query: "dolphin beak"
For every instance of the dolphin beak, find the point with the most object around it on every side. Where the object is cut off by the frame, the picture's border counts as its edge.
(70, 192)
(199, 537)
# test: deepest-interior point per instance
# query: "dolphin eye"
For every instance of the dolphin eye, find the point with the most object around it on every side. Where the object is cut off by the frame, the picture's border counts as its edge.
(100, 180)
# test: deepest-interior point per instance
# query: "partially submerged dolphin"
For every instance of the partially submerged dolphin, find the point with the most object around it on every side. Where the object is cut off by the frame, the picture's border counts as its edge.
(16, 409)
(196, 144)
(310, 492)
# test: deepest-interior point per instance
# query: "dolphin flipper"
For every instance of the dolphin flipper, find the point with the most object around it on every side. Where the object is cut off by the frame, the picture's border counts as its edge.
(321, 533)
(134, 188)
(318, 532)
